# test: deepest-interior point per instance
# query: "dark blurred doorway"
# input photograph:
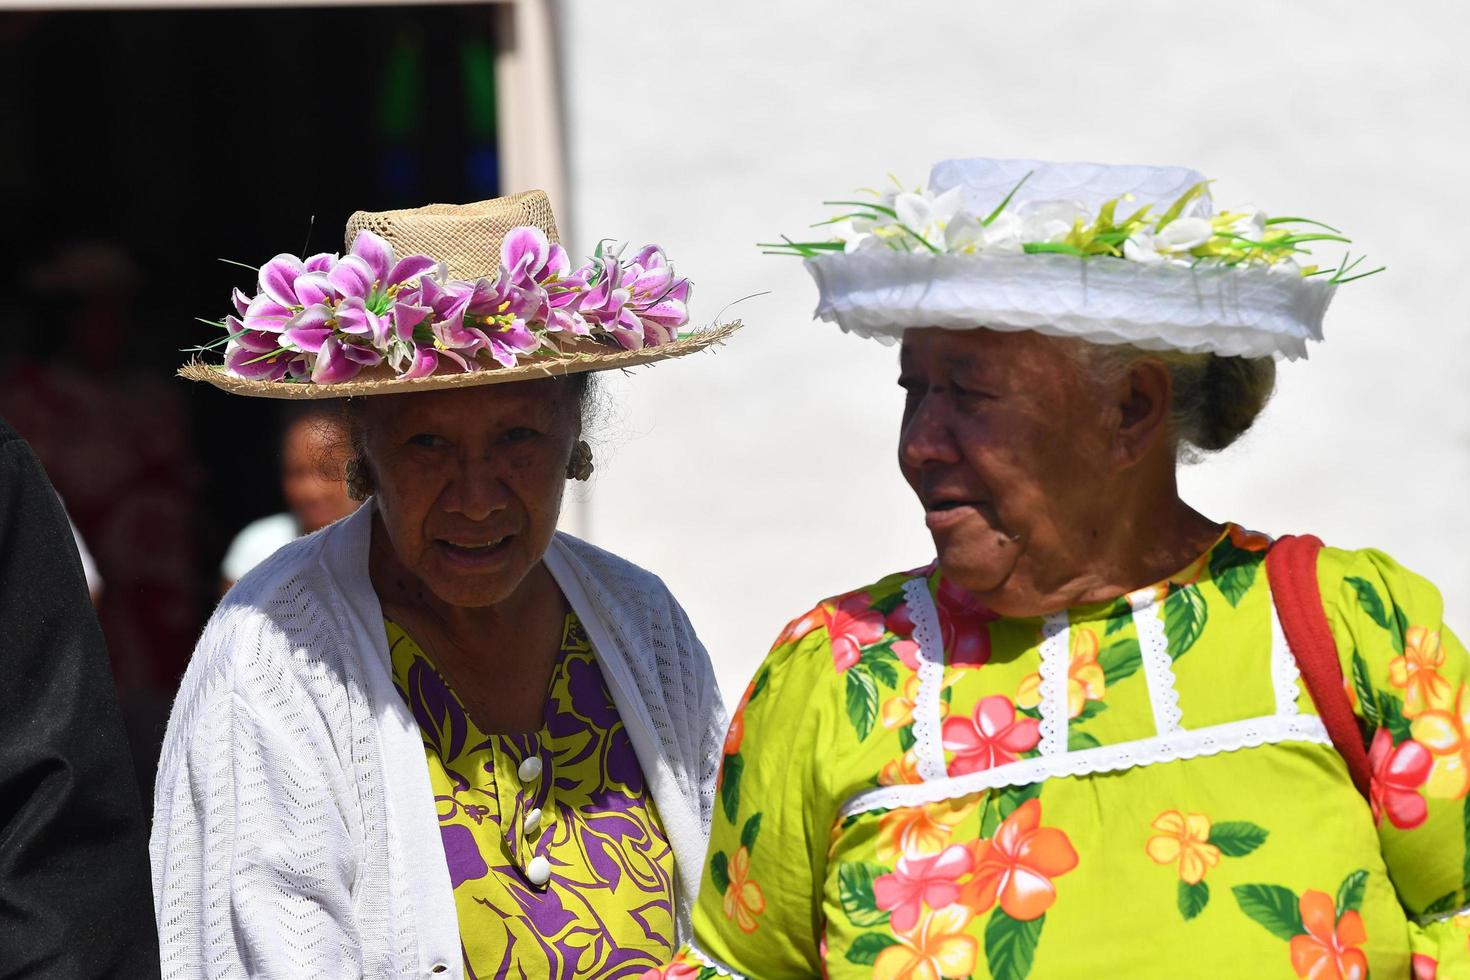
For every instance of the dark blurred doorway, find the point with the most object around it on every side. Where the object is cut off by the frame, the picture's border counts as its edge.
(138, 149)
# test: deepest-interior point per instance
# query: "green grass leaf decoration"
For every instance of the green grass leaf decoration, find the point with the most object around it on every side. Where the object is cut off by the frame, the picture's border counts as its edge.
(1237, 838)
(855, 892)
(862, 700)
(750, 832)
(730, 786)
(866, 947)
(1350, 892)
(1273, 907)
(1010, 945)
(1193, 899)
(719, 871)
(1185, 615)
(1120, 659)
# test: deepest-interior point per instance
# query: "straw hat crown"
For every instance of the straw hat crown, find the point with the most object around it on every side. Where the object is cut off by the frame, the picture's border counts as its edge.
(465, 237)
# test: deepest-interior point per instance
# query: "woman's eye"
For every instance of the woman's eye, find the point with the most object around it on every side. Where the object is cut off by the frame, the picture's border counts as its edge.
(519, 434)
(426, 440)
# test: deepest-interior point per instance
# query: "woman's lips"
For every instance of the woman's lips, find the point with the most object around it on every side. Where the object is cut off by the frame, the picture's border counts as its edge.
(945, 514)
(476, 556)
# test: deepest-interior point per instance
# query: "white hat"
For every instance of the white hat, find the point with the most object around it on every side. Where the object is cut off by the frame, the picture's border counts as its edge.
(1112, 254)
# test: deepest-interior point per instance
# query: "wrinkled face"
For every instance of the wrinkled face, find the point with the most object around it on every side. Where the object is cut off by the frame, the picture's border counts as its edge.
(469, 482)
(311, 473)
(1006, 446)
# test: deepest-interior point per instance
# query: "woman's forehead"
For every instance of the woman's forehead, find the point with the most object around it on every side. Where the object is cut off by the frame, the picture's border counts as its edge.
(535, 398)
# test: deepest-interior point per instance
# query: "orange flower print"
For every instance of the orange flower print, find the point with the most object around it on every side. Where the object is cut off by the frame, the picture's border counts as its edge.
(1085, 680)
(898, 710)
(900, 771)
(1183, 838)
(921, 830)
(1445, 732)
(1329, 949)
(1017, 865)
(1417, 672)
(735, 734)
(743, 898)
(1247, 540)
(937, 948)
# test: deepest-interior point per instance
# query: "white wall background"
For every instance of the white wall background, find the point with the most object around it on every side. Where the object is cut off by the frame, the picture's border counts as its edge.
(762, 478)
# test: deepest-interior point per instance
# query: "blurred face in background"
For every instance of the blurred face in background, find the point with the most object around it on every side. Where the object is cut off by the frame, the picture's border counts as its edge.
(313, 461)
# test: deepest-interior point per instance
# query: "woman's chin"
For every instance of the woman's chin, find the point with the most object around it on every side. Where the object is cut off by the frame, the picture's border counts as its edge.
(979, 561)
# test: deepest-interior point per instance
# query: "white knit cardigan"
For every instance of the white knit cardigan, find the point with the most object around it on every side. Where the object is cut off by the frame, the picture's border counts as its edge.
(295, 833)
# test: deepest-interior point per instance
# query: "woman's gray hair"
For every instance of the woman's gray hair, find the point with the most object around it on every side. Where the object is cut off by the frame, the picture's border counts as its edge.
(1216, 398)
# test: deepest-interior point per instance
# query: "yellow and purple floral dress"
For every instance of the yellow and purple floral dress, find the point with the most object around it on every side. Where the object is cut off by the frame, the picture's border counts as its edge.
(559, 863)
(915, 788)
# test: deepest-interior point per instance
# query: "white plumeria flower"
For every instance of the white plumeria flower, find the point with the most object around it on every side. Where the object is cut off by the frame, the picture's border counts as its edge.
(855, 234)
(1050, 221)
(1183, 234)
(1251, 224)
(927, 214)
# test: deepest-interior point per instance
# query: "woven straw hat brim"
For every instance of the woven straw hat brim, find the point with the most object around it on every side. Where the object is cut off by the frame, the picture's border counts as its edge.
(380, 381)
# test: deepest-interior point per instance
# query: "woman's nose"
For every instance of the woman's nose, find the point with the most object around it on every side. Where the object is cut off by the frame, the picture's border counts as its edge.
(477, 491)
(926, 436)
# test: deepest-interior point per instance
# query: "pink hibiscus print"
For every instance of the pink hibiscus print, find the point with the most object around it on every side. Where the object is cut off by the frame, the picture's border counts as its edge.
(920, 881)
(1397, 775)
(852, 623)
(962, 628)
(992, 736)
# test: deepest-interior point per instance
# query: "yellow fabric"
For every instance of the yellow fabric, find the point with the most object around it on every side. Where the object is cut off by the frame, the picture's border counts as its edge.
(1256, 862)
(606, 907)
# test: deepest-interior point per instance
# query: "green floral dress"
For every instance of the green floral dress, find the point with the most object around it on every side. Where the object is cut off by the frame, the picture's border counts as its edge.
(916, 788)
(559, 862)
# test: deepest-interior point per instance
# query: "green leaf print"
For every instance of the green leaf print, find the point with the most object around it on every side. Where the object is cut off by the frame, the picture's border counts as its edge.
(1396, 624)
(719, 870)
(1184, 619)
(1119, 615)
(1233, 570)
(862, 700)
(730, 785)
(1274, 907)
(1120, 659)
(1445, 903)
(1001, 803)
(855, 892)
(1010, 945)
(1079, 741)
(760, 684)
(906, 737)
(1193, 899)
(707, 973)
(1392, 711)
(1350, 892)
(1090, 709)
(1466, 866)
(883, 664)
(1367, 700)
(866, 947)
(1237, 838)
(886, 604)
(749, 832)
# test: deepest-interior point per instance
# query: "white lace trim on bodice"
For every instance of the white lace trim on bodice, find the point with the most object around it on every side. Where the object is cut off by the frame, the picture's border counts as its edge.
(1158, 665)
(928, 743)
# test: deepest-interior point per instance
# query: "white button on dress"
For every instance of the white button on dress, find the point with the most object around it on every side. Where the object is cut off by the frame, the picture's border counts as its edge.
(539, 870)
(533, 821)
(530, 769)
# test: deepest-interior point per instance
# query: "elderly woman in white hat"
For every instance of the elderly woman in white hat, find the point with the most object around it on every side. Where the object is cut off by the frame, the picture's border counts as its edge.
(438, 737)
(1102, 734)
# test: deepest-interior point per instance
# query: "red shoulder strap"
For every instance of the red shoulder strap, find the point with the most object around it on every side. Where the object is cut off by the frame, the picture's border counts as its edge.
(1291, 567)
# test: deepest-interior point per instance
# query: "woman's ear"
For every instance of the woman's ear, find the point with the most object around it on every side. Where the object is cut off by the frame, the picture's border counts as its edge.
(1145, 401)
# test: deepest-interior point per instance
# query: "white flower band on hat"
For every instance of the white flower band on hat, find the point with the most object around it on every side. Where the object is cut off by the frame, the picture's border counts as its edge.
(1112, 254)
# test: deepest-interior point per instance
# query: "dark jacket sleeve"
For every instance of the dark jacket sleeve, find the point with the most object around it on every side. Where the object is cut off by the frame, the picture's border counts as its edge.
(75, 896)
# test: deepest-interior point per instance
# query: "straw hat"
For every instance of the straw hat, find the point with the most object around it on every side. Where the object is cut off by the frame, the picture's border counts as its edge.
(449, 296)
(1112, 254)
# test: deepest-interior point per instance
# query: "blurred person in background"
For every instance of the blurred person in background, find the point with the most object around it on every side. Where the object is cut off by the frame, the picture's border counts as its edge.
(73, 858)
(1101, 734)
(313, 485)
(438, 738)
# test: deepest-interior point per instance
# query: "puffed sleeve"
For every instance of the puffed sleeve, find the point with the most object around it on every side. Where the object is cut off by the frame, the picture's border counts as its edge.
(760, 900)
(1408, 678)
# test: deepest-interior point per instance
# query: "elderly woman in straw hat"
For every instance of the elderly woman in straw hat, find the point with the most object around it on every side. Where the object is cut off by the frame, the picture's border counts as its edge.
(1102, 734)
(438, 738)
